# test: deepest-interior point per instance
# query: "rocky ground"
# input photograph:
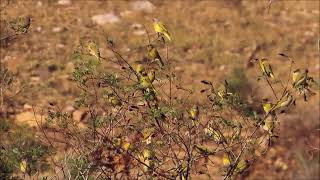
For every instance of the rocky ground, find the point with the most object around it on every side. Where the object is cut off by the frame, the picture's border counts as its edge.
(210, 40)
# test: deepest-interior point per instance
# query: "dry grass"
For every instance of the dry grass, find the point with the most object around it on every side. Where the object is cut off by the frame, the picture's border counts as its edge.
(211, 38)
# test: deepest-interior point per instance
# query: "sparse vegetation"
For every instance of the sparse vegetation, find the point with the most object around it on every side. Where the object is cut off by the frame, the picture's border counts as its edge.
(145, 107)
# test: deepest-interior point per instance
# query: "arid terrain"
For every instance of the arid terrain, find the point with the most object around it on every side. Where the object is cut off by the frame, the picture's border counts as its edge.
(212, 40)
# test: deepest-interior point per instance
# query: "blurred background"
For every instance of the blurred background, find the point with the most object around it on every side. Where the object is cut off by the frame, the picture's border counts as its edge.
(212, 40)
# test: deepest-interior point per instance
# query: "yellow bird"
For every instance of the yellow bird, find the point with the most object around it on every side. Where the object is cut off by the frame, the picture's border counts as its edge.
(147, 158)
(266, 68)
(226, 160)
(242, 166)
(298, 77)
(204, 150)
(267, 107)
(140, 69)
(223, 91)
(152, 75)
(269, 124)
(161, 29)
(153, 55)
(21, 24)
(23, 166)
(147, 134)
(114, 100)
(213, 133)
(145, 81)
(285, 101)
(126, 145)
(93, 50)
(194, 112)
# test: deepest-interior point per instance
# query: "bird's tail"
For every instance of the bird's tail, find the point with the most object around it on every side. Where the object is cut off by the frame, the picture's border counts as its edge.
(167, 36)
(271, 75)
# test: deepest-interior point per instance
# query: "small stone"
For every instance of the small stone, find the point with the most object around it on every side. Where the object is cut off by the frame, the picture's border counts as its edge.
(103, 19)
(57, 29)
(69, 109)
(52, 68)
(64, 2)
(27, 107)
(136, 26)
(280, 165)
(28, 118)
(222, 67)
(139, 32)
(39, 3)
(39, 29)
(79, 115)
(125, 13)
(35, 79)
(61, 46)
(143, 6)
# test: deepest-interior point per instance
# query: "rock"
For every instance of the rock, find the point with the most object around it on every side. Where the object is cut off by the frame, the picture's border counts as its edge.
(13, 63)
(35, 79)
(136, 26)
(125, 13)
(64, 2)
(280, 165)
(57, 29)
(222, 67)
(52, 68)
(61, 46)
(139, 32)
(103, 19)
(28, 118)
(39, 29)
(79, 115)
(143, 6)
(27, 107)
(69, 109)
(39, 3)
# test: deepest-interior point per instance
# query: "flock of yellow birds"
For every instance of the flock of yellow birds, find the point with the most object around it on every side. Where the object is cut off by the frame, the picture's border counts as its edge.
(299, 79)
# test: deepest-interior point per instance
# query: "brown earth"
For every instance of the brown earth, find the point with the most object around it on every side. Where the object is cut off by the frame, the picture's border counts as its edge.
(210, 40)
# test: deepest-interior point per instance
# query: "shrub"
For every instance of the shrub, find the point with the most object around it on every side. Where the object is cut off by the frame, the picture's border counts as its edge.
(141, 123)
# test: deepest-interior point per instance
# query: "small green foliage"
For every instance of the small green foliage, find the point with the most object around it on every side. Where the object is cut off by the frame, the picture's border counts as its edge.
(78, 167)
(4, 125)
(23, 145)
(60, 118)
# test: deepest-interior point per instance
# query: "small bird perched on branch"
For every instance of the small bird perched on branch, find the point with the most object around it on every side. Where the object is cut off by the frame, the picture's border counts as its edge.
(266, 68)
(153, 55)
(286, 101)
(161, 29)
(298, 77)
(21, 24)
(93, 49)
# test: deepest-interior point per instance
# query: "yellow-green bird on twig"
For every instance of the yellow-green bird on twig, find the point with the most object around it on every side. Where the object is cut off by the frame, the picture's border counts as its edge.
(298, 77)
(21, 24)
(286, 101)
(194, 112)
(153, 55)
(266, 68)
(145, 82)
(152, 75)
(161, 29)
(140, 69)
(269, 124)
(93, 50)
